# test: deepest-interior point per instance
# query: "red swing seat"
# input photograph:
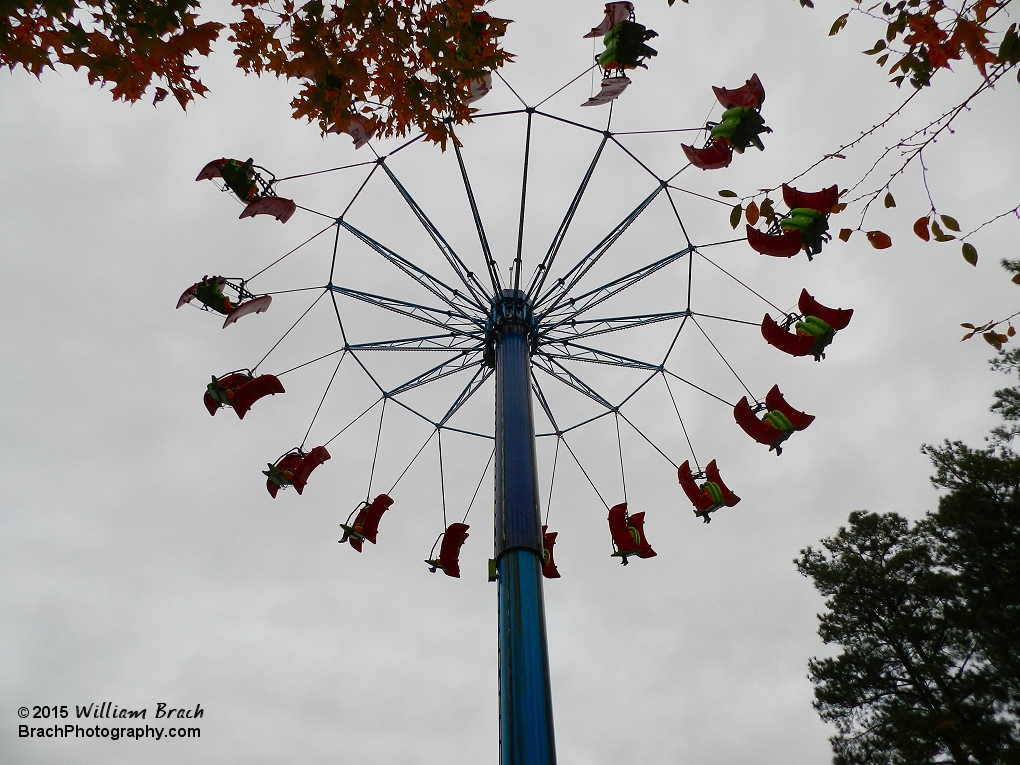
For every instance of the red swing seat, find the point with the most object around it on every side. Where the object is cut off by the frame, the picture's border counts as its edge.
(823, 200)
(751, 94)
(366, 524)
(628, 534)
(718, 152)
(784, 245)
(837, 318)
(255, 305)
(296, 466)
(775, 401)
(260, 198)
(701, 498)
(212, 170)
(787, 243)
(449, 551)
(243, 390)
(479, 88)
(714, 155)
(609, 90)
(615, 13)
(549, 570)
(259, 304)
(360, 128)
(799, 343)
(280, 208)
(312, 460)
(764, 432)
(787, 342)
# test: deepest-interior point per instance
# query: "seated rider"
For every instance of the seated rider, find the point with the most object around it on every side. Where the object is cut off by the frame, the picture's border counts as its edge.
(711, 488)
(778, 420)
(813, 326)
(220, 393)
(812, 225)
(740, 126)
(209, 293)
(279, 476)
(820, 330)
(625, 46)
(240, 177)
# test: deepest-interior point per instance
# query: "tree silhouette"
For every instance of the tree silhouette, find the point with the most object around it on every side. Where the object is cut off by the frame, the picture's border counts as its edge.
(926, 616)
(394, 65)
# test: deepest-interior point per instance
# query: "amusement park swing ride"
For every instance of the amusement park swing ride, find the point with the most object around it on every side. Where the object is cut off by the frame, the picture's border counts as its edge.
(497, 328)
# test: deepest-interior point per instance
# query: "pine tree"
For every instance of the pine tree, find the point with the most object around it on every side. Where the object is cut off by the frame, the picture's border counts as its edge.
(927, 617)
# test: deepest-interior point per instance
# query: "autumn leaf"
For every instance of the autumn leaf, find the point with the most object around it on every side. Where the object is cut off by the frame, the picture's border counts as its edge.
(970, 253)
(981, 8)
(889, 201)
(129, 46)
(844, 234)
(921, 228)
(838, 24)
(735, 214)
(940, 235)
(402, 65)
(973, 37)
(751, 213)
(995, 339)
(940, 55)
(879, 240)
(728, 194)
(1009, 46)
(950, 223)
(925, 31)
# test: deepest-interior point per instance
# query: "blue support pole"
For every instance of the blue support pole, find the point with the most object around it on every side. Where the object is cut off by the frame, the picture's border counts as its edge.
(525, 698)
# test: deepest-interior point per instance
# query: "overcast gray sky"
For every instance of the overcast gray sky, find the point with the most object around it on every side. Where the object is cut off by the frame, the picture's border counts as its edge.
(144, 561)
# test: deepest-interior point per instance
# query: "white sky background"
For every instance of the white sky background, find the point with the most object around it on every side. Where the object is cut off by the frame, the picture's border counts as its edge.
(145, 562)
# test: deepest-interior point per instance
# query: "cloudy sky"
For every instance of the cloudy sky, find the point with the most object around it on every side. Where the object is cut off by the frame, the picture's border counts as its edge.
(144, 561)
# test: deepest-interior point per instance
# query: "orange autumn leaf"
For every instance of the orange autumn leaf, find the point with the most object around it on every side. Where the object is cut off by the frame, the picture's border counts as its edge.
(981, 8)
(402, 64)
(974, 37)
(879, 240)
(752, 214)
(129, 46)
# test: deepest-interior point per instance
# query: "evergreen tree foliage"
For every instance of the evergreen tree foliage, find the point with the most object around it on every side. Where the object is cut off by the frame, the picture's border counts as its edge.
(926, 616)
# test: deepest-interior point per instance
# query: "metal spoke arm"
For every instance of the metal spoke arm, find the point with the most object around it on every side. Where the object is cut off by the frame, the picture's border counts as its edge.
(467, 278)
(538, 280)
(563, 286)
(463, 360)
(588, 300)
(451, 341)
(556, 370)
(454, 321)
(482, 374)
(437, 287)
(577, 329)
(576, 352)
(490, 263)
(543, 402)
